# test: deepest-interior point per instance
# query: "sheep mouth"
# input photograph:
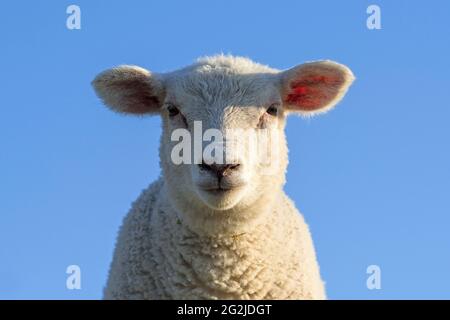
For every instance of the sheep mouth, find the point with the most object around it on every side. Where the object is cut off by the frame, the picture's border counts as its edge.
(218, 190)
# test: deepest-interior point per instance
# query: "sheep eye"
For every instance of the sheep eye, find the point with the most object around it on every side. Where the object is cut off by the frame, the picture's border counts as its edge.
(273, 110)
(173, 111)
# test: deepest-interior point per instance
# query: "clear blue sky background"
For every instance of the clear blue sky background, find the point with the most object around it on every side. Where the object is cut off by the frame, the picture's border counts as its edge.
(372, 177)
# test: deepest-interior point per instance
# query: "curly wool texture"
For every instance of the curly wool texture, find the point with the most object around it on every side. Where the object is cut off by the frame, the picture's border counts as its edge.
(157, 257)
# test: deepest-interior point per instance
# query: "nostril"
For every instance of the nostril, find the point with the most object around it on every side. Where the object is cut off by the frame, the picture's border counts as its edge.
(205, 166)
(220, 170)
(227, 169)
(215, 168)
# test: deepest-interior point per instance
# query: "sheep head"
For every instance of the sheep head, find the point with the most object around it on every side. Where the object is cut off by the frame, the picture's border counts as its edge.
(221, 116)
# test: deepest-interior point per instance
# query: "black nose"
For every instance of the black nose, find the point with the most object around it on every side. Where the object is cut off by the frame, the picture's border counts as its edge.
(219, 170)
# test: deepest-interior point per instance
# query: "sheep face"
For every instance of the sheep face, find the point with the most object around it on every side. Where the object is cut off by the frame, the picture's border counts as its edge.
(225, 114)
(223, 146)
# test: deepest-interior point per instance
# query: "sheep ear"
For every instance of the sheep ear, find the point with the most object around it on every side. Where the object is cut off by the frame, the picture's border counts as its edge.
(314, 87)
(130, 89)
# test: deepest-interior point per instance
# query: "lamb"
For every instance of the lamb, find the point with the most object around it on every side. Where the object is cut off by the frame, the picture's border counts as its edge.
(210, 229)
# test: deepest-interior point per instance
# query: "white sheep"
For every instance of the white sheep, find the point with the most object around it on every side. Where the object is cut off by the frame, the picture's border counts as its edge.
(212, 230)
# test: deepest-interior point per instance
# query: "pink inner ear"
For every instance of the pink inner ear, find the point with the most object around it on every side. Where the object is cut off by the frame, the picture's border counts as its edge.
(313, 92)
(137, 97)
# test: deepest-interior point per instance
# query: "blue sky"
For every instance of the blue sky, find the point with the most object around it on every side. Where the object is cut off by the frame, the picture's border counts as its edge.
(372, 177)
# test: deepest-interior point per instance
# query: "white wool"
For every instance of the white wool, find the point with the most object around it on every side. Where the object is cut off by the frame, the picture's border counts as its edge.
(158, 257)
(181, 242)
